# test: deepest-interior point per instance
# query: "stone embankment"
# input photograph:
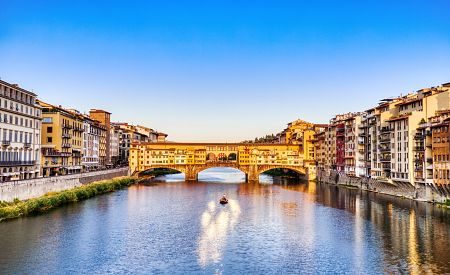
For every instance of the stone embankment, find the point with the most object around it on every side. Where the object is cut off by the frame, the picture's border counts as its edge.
(399, 189)
(27, 189)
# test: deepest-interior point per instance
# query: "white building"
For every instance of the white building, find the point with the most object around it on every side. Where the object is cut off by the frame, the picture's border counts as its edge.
(114, 144)
(91, 144)
(20, 126)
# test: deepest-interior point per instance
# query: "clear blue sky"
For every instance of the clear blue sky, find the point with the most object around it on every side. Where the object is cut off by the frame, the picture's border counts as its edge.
(223, 70)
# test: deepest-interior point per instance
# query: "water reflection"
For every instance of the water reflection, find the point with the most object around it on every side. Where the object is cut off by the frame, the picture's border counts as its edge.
(274, 227)
(414, 235)
(217, 222)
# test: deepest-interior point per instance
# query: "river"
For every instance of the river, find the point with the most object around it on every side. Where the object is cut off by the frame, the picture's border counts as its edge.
(177, 227)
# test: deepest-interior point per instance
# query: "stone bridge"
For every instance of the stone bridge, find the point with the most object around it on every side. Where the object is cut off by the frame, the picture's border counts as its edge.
(192, 158)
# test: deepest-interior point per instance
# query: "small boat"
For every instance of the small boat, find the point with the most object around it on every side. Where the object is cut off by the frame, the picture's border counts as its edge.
(223, 200)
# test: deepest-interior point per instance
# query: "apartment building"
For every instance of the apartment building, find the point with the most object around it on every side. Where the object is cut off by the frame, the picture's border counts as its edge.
(104, 118)
(129, 133)
(440, 148)
(61, 140)
(114, 144)
(20, 126)
(93, 130)
(402, 139)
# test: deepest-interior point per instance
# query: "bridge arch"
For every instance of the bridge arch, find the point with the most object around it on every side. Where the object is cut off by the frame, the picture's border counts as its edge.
(235, 167)
(227, 174)
(299, 170)
(142, 173)
(232, 157)
(211, 157)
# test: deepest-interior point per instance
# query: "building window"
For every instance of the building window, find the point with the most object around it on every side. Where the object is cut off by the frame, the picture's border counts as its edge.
(49, 139)
(49, 129)
(47, 120)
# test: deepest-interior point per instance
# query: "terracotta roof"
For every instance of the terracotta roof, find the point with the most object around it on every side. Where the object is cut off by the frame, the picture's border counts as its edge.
(399, 117)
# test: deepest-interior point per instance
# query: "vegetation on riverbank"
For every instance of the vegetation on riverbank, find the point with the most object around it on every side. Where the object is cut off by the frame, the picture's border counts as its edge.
(11, 210)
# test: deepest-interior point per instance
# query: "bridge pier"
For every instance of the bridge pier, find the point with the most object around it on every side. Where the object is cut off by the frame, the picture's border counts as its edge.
(191, 176)
(252, 175)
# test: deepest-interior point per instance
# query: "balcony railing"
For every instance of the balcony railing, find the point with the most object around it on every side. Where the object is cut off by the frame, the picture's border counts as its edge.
(76, 128)
(27, 144)
(385, 130)
(66, 135)
(17, 163)
(67, 126)
(54, 153)
(6, 142)
(419, 148)
(66, 145)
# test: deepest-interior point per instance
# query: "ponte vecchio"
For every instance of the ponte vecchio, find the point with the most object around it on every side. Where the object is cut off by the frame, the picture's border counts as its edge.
(192, 158)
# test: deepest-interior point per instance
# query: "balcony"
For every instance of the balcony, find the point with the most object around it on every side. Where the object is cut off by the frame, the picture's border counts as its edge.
(385, 139)
(66, 145)
(419, 136)
(419, 148)
(385, 159)
(418, 160)
(424, 125)
(17, 163)
(26, 144)
(54, 153)
(67, 126)
(66, 135)
(6, 142)
(385, 130)
(79, 129)
(385, 149)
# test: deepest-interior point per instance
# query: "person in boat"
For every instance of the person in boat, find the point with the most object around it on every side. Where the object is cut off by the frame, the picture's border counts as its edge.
(224, 198)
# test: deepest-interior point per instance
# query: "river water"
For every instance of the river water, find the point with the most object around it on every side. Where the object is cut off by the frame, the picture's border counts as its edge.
(176, 227)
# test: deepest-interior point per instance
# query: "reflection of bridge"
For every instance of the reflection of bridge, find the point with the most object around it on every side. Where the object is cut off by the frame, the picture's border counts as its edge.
(192, 158)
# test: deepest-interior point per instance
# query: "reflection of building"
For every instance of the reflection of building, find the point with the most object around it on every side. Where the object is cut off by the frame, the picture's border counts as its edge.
(62, 140)
(20, 124)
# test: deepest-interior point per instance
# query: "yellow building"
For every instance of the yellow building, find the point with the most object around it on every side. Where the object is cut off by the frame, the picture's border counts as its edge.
(302, 133)
(62, 140)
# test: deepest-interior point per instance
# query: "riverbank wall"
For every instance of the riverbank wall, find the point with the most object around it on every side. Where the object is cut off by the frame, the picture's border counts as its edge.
(421, 192)
(27, 189)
